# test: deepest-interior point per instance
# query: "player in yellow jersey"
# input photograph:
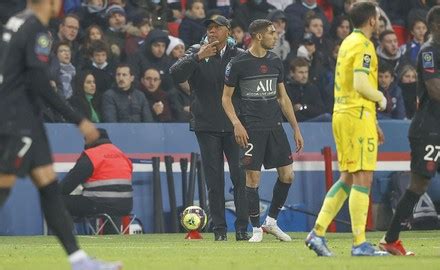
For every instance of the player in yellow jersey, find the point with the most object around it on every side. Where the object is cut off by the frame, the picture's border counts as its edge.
(356, 132)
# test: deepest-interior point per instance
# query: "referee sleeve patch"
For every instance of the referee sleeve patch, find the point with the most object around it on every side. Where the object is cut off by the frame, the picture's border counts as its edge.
(428, 60)
(366, 61)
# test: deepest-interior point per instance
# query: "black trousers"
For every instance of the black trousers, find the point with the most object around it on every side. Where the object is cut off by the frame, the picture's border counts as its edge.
(80, 206)
(213, 147)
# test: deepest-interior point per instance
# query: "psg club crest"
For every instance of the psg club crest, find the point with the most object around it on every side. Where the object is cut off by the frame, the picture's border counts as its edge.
(264, 69)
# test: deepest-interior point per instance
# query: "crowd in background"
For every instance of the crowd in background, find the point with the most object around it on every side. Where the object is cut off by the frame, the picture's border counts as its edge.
(111, 58)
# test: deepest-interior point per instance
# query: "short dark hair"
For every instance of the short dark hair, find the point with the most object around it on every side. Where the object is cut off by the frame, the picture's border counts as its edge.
(151, 68)
(386, 33)
(384, 68)
(415, 21)
(190, 3)
(361, 12)
(298, 62)
(59, 44)
(433, 16)
(310, 16)
(70, 15)
(259, 26)
(125, 65)
(98, 46)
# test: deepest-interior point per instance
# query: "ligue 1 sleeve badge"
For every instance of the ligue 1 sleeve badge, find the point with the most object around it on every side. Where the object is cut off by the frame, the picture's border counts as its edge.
(366, 61)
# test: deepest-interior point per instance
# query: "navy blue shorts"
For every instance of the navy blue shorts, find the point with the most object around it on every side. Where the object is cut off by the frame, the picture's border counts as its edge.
(270, 148)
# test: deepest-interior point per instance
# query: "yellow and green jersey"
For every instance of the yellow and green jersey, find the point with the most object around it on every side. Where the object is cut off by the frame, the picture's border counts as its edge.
(356, 54)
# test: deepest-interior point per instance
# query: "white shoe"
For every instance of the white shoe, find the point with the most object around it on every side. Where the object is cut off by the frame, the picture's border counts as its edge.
(257, 235)
(92, 264)
(271, 227)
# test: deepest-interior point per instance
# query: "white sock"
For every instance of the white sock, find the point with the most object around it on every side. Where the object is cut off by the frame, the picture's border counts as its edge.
(270, 221)
(256, 229)
(77, 256)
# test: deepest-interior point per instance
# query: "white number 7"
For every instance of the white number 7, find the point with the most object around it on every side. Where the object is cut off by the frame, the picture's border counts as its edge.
(27, 144)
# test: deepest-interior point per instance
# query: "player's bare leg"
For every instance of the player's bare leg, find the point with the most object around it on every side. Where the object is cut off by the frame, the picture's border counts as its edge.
(252, 184)
(358, 205)
(60, 222)
(7, 181)
(280, 192)
(390, 242)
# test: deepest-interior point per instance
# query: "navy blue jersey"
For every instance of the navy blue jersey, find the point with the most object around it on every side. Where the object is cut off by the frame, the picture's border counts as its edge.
(24, 75)
(257, 79)
(426, 120)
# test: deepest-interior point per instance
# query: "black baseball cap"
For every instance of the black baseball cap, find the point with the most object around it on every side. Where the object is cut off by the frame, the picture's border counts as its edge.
(308, 38)
(220, 20)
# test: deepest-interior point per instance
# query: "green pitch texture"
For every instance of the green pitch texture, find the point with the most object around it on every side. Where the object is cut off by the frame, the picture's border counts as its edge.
(173, 252)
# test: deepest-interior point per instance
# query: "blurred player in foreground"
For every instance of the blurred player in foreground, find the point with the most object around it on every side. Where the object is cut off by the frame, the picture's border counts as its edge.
(24, 148)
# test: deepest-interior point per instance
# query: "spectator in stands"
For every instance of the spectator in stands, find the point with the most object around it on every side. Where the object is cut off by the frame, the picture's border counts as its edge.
(315, 25)
(383, 24)
(408, 84)
(141, 27)
(341, 27)
(61, 69)
(152, 54)
(180, 96)
(250, 11)
(124, 103)
(92, 33)
(328, 93)
(191, 28)
(282, 47)
(411, 49)
(305, 96)
(130, 11)
(104, 173)
(296, 14)
(222, 7)
(85, 99)
(115, 32)
(157, 98)
(92, 12)
(176, 49)
(419, 10)
(238, 34)
(68, 32)
(395, 105)
(389, 51)
(307, 47)
(307, 50)
(101, 68)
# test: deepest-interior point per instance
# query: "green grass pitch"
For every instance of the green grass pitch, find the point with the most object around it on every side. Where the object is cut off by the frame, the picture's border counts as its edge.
(171, 251)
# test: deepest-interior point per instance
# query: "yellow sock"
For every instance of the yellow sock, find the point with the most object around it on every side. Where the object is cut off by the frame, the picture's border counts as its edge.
(358, 205)
(333, 202)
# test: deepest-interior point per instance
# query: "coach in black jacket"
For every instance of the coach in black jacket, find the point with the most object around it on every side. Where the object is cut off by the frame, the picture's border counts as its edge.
(204, 68)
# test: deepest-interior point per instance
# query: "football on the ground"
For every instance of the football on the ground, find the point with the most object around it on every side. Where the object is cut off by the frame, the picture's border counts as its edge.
(193, 218)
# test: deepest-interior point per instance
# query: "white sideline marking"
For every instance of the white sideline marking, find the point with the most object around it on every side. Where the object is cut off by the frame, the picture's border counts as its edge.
(299, 166)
